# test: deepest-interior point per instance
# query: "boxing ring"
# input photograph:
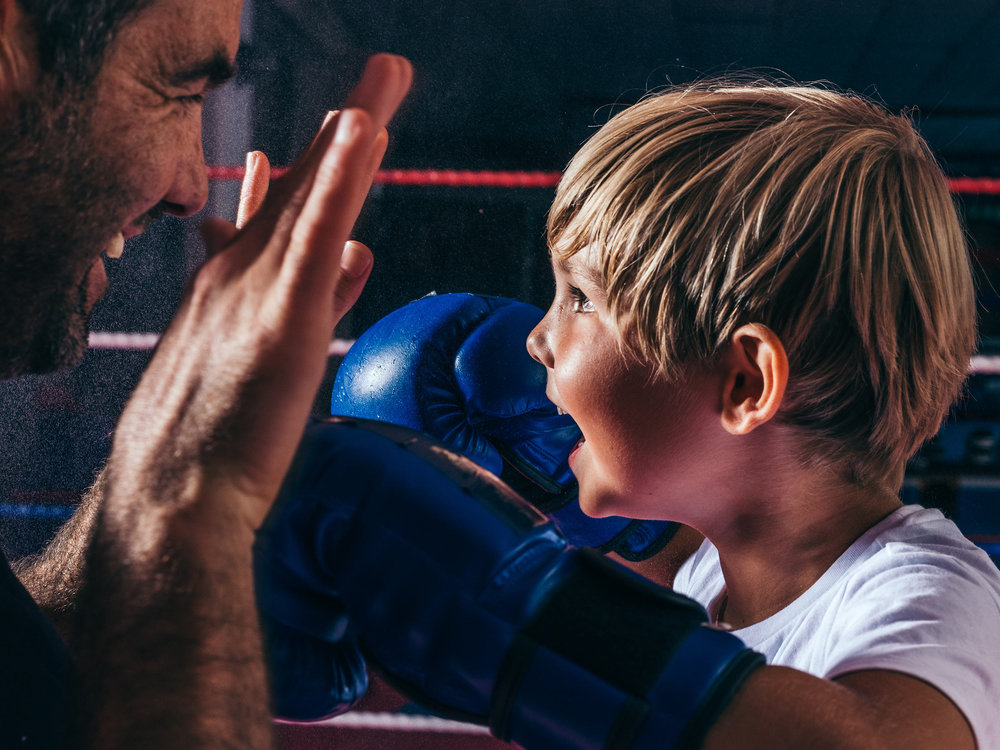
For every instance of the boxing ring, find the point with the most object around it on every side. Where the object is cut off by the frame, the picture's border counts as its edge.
(384, 719)
(380, 721)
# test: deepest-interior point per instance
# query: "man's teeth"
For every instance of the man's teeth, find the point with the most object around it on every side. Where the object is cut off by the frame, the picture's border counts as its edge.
(116, 246)
(560, 410)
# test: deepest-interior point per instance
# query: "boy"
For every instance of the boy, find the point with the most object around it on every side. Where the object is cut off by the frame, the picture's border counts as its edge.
(763, 307)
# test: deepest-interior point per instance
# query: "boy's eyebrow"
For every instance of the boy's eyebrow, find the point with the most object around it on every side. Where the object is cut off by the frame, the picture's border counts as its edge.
(216, 69)
(574, 269)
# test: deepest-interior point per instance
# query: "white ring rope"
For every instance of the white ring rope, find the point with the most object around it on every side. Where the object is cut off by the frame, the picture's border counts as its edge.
(984, 365)
(141, 342)
(395, 722)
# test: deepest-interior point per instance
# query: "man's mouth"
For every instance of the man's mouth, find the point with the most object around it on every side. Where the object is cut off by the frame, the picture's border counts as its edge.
(116, 246)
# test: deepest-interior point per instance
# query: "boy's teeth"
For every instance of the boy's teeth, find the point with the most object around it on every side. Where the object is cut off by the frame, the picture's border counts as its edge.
(116, 246)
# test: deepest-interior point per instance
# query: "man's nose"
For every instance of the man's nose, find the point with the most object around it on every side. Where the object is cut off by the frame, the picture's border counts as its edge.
(189, 191)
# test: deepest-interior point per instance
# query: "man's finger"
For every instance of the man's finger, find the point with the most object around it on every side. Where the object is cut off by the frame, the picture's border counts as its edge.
(342, 179)
(382, 87)
(380, 91)
(254, 187)
(338, 191)
(378, 151)
(355, 267)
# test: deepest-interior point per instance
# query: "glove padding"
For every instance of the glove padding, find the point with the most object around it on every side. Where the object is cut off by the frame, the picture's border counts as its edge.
(476, 605)
(312, 678)
(316, 668)
(455, 367)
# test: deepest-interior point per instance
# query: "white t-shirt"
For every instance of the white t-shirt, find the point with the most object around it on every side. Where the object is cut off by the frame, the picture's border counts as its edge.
(911, 595)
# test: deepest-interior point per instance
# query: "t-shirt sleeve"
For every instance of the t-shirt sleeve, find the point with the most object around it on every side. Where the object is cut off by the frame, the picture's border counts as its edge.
(930, 616)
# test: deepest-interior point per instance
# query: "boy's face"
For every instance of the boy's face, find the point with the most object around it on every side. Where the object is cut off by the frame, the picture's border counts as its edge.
(649, 445)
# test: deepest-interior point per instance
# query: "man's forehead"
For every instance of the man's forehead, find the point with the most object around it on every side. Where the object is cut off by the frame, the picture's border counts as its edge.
(192, 38)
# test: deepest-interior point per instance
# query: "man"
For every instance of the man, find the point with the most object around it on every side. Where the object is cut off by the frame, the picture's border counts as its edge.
(150, 584)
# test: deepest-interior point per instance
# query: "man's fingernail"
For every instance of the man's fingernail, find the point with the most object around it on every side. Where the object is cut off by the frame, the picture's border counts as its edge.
(251, 160)
(355, 260)
(348, 126)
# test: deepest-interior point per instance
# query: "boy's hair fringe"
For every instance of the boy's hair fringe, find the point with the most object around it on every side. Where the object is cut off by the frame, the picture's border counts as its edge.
(819, 214)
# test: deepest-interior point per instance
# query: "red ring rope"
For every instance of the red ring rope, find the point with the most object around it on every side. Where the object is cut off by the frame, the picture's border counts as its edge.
(521, 179)
(428, 177)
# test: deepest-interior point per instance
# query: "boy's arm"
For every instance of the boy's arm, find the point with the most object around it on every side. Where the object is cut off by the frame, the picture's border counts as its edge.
(780, 708)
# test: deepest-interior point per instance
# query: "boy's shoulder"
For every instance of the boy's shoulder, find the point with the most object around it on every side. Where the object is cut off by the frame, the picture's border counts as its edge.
(915, 537)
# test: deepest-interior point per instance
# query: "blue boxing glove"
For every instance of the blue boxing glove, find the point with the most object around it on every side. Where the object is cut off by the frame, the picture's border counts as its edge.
(315, 666)
(475, 605)
(455, 367)
(313, 677)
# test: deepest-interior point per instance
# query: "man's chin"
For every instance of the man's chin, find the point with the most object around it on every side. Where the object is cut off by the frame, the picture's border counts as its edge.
(58, 342)
(42, 360)
(62, 352)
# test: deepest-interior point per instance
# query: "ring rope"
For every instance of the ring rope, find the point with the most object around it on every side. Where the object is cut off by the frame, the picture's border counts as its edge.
(980, 364)
(395, 722)
(140, 342)
(533, 179)
(427, 177)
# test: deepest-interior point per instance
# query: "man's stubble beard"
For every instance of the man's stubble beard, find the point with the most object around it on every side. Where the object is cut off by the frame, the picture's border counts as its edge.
(58, 206)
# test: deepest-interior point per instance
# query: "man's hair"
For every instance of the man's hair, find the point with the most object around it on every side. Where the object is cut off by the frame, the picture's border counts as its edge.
(74, 35)
(817, 214)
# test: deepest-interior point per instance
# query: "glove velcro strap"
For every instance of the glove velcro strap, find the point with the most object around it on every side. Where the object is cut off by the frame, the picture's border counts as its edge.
(644, 651)
(640, 540)
(589, 597)
(698, 683)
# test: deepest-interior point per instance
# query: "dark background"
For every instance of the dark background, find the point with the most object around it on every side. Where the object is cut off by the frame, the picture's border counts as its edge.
(518, 86)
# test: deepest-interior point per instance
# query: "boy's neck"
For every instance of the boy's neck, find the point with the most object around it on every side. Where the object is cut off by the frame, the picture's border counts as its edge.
(785, 542)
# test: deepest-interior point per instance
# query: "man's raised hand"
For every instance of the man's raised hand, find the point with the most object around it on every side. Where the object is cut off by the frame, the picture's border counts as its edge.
(222, 405)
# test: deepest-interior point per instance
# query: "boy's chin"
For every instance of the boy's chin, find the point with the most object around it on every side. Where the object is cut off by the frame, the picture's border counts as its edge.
(596, 505)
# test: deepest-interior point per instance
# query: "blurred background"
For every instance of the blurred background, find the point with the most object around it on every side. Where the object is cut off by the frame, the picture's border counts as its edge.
(517, 86)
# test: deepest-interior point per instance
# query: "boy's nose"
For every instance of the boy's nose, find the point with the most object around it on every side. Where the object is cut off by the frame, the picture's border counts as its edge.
(538, 344)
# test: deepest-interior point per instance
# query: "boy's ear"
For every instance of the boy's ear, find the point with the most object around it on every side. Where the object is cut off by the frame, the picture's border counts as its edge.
(755, 379)
(18, 47)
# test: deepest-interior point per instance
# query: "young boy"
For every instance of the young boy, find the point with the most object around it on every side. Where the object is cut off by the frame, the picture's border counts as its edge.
(763, 307)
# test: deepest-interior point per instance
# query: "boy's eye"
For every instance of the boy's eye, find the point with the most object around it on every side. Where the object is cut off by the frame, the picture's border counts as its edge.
(581, 303)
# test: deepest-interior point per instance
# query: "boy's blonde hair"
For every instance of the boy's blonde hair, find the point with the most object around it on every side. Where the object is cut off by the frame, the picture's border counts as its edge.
(818, 214)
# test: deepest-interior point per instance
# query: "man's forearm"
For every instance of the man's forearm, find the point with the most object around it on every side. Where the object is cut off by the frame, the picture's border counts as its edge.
(167, 606)
(162, 598)
(55, 576)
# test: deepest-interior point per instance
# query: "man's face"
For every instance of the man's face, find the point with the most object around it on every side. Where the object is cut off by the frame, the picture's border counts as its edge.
(83, 169)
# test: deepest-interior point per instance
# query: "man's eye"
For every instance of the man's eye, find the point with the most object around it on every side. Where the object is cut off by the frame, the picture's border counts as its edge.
(191, 99)
(581, 303)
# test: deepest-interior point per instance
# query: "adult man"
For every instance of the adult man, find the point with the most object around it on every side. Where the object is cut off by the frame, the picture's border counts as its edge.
(150, 584)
